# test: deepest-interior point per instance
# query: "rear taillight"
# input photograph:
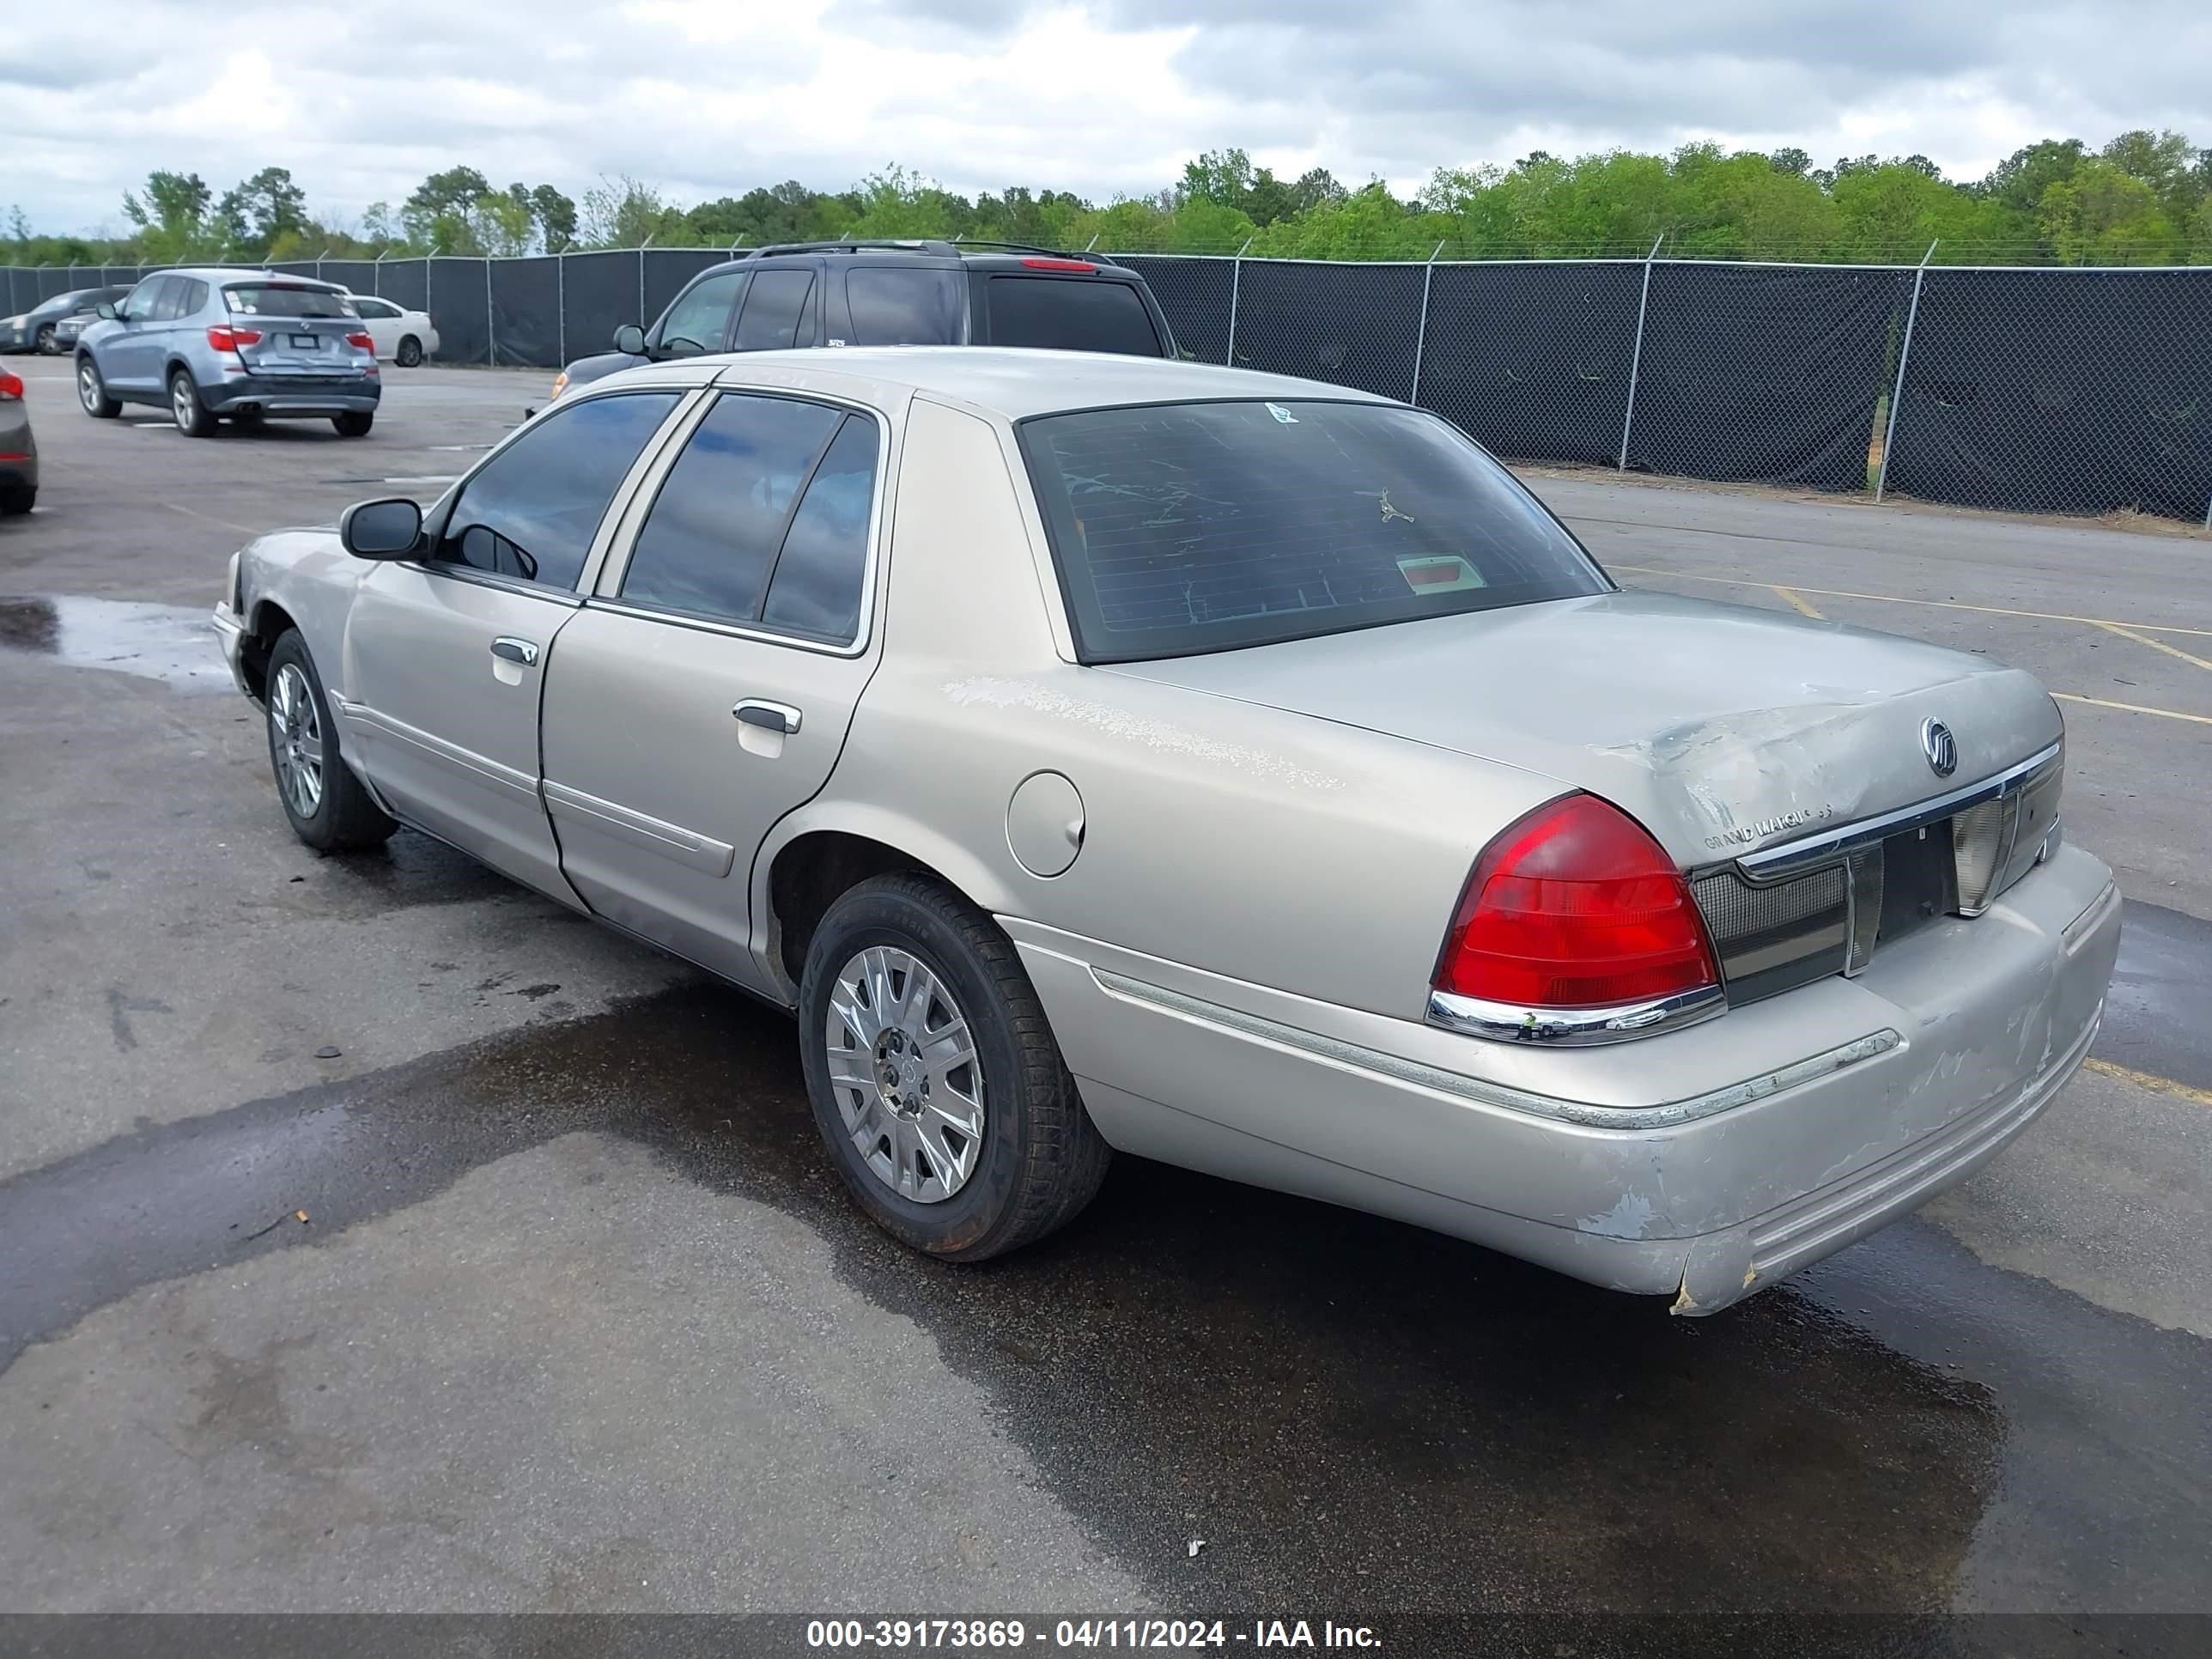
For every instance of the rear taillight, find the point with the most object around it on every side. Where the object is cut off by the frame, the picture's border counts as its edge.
(230, 337)
(1059, 265)
(1576, 906)
(360, 342)
(11, 385)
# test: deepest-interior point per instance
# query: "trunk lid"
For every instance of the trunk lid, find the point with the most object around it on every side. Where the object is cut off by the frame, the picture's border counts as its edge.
(1722, 729)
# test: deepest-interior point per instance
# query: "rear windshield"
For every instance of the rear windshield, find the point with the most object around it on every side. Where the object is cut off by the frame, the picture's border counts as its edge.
(286, 299)
(1075, 313)
(1191, 527)
(909, 305)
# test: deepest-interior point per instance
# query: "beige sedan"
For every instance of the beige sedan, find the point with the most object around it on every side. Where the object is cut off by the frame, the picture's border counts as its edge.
(1102, 754)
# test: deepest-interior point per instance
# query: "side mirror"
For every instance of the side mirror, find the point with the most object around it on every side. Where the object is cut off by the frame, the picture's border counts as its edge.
(382, 530)
(106, 310)
(631, 338)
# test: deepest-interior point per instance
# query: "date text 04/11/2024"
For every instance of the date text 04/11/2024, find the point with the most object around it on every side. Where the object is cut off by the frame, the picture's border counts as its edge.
(972, 1633)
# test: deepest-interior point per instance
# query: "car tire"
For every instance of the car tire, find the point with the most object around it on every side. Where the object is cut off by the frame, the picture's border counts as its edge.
(18, 499)
(91, 391)
(45, 343)
(1038, 1158)
(186, 409)
(354, 423)
(329, 808)
(410, 355)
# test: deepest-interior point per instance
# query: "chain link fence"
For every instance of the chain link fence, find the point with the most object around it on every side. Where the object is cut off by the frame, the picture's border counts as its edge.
(2035, 389)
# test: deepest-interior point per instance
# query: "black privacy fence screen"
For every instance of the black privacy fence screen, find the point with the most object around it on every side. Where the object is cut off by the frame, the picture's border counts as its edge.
(2056, 391)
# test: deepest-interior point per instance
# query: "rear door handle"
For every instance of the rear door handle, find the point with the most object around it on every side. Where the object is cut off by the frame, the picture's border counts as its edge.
(777, 716)
(513, 650)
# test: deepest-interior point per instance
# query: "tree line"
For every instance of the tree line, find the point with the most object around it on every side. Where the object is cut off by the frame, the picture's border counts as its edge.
(2144, 198)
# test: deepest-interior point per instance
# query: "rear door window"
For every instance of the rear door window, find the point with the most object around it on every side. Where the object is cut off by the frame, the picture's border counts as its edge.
(775, 312)
(531, 513)
(910, 305)
(169, 301)
(700, 319)
(816, 586)
(1074, 313)
(710, 542)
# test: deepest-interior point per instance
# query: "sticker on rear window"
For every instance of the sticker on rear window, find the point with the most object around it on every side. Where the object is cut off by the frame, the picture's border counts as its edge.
(1446, 574)
(1282, 415)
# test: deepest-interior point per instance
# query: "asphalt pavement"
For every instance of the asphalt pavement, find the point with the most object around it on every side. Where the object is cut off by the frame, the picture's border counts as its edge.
(375, 1235)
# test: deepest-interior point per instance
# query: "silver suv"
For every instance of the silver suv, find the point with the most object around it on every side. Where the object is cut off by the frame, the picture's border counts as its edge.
(246, 346)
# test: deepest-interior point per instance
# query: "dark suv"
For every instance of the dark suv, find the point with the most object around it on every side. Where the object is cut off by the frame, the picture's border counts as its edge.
(870, 293)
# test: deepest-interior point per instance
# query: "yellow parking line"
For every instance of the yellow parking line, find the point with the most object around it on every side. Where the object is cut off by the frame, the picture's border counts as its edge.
(1939, 604)
(2164, 1086)
(1801, 608)
(2155, 645)
(2133, 708)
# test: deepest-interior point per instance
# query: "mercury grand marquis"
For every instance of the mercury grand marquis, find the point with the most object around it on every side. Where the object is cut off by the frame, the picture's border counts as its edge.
(1102, 755)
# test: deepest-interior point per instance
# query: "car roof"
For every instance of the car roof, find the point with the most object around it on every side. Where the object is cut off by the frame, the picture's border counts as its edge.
(1015, 381)
(234, 274)
(1014, 256)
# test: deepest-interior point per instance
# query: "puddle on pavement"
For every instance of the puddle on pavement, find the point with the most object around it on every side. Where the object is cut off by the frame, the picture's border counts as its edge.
(174, 644)
(1354, 1413)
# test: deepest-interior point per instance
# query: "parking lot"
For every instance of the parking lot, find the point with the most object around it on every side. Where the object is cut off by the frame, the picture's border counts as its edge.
(374, 1235)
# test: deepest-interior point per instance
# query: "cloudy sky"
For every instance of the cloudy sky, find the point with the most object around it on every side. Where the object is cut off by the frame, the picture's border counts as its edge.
(710, 97)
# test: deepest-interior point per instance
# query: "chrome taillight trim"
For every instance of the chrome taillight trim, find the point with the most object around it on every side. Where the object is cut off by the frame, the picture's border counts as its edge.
(1793, 857)
(1573, 1028)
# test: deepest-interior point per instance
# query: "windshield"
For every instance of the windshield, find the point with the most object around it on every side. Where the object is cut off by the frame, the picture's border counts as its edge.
(1192, 527)
(286, 299)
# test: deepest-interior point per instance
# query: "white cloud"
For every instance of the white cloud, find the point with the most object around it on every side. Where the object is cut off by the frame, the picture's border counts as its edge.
(705, 98)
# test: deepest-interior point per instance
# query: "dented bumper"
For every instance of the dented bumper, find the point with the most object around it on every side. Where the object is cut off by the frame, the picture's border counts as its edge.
(1699, 1166)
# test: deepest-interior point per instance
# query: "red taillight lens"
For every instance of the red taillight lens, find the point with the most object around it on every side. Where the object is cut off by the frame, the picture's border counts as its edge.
(1059, 265)
(1575, 906)
(360, 342)
(230, 338)
(11, 385)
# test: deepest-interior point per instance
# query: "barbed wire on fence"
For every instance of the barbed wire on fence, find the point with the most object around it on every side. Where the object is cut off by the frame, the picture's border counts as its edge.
(2028, 387)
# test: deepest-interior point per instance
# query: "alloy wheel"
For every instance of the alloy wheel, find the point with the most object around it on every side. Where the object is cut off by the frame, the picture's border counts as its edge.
(908, 1082)
(296, 740)
(183, 403)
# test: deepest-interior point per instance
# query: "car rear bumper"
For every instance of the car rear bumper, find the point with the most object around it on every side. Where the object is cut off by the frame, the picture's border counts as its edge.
(284, 397)
(19, 452)
(1812, 1118)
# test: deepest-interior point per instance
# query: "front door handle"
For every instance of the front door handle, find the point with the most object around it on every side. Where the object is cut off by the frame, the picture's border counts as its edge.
(777, 716)
(513, 650)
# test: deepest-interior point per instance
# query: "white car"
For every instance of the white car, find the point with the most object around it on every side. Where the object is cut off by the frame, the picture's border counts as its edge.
(402, 336)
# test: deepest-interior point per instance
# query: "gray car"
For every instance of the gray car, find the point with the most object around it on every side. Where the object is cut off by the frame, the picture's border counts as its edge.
(19, 450)
(244, 346)
(1101, 754)
(52, 324)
